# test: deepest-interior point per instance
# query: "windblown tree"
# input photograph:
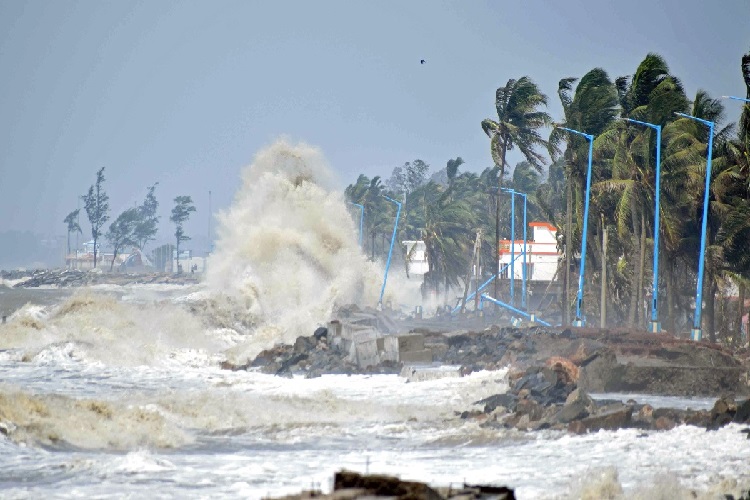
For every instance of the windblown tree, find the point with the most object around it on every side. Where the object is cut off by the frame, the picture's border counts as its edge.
(591, 109)
(183, 207)
(121, 232)
(71, 221)
(369, 193)
(147, 225)
(96, 204)
(518, 126)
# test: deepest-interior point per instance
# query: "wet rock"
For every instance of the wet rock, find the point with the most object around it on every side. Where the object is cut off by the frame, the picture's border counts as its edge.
(723, 412)
(664, 423)
(577, 406)
(505, 400)
(320, 332)
(609, 418)
(742, 415)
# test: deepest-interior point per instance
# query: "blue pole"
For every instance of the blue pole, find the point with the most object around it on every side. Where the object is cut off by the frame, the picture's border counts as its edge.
(361, 220)
(523, 296)
(512, 245)
(735, 98)
(390, 250)
(655, 326)
(579, 321)
(697, 333)
(517, 311)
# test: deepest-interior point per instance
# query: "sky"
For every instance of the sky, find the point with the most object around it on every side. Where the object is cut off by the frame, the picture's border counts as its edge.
(185, 93)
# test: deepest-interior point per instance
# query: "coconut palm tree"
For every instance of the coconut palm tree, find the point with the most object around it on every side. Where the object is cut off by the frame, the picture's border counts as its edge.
(591, 108)
(518, 125)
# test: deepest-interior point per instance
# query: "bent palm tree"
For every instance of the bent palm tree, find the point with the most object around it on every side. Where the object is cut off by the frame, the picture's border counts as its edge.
(518, 124)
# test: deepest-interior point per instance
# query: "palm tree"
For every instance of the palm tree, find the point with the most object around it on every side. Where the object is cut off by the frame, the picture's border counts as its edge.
(519, 121)
(447, 226)
(71, 220)
(369, 193)
(591, 109)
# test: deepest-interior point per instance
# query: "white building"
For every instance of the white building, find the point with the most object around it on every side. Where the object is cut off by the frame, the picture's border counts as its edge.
(416, 257)
(542, 256)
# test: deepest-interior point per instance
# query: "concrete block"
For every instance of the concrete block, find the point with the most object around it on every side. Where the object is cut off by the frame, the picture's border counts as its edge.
(410, 342)
(367, 353)
(390, 348)
(416, 357)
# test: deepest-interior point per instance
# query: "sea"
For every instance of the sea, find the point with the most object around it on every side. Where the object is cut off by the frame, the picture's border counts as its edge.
(117, 392)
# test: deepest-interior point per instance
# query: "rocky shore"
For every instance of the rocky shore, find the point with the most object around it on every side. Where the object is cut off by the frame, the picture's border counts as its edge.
(68, 278)
(551, 373)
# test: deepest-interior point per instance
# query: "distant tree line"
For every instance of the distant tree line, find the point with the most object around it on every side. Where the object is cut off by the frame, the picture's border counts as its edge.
(134, 227)
(450, 208)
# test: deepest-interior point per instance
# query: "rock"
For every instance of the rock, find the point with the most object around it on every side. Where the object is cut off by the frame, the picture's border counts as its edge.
(578, 405)
(742, 415)
(722, 413)
(609, 418)
(664, 423)
(320, 332)
(304, 344)
(498, 400)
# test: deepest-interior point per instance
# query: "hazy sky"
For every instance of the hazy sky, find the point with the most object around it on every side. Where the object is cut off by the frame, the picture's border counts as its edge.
(184, 93)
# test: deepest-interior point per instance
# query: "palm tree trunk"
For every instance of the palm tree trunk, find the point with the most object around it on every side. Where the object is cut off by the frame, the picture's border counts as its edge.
(497, 219)
(642, 263)
(741, 312)
(670, 297)
(603, 300)
(710, 299)
(636, 261)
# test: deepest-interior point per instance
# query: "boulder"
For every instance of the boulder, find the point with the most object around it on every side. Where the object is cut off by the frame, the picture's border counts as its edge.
(609, 418)
(578, 405)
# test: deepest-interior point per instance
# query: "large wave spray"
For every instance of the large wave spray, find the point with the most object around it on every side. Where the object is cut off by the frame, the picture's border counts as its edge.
(287, 247)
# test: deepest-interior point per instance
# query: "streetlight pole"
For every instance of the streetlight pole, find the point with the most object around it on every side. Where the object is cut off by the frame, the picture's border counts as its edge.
(697, 333)
(579, 321)
(523, 278)
(390, 250)
(655, 326)
(735, 98)
(361, 220)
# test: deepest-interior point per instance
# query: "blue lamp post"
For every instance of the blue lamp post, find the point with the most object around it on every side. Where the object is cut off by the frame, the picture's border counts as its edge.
(523, 277)
(579, 321)
(735, 98)
(655, 326)
(361, 220)
(390, 250)
(697, 333)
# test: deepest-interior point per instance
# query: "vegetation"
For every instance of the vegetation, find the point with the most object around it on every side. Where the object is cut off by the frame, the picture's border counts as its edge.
(122, 232)
(183, 206)
(450, 209)
(96, 204)
(71, 221)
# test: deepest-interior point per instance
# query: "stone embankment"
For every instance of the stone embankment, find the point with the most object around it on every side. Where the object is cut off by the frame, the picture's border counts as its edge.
(68, 278)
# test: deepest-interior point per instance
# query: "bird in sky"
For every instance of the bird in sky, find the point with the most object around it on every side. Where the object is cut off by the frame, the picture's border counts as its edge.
(422, 61)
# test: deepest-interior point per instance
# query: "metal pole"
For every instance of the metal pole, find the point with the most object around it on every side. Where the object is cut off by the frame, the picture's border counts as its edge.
(361, 219)
(735, 98)
(579, 302)
(523, 296)
(655, 327)
(512, 245)
(579, 321)
(697, 332)
(390, 250)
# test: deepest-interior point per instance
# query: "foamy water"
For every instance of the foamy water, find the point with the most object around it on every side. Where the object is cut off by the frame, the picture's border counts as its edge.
(117, 391)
